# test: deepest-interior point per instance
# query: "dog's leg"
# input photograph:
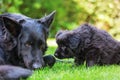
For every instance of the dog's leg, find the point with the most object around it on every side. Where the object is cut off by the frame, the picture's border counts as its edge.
(2, 57)
(92, 57)
(79, 61)
(8, 72)
(90, 63)
(2, 62)
(49, 60)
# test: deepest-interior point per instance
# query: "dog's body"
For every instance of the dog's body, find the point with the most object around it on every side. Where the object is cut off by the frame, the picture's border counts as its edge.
(23, 40)
(89, 44)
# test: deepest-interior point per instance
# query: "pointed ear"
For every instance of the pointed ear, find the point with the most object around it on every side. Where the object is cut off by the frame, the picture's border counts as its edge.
(12, 26)
(47, 20)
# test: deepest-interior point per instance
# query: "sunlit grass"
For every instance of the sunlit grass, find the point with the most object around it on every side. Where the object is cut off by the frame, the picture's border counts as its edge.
(66, 71)
(51, 42)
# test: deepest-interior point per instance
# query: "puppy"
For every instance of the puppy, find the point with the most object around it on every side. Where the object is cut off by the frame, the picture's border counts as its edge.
(87, 43)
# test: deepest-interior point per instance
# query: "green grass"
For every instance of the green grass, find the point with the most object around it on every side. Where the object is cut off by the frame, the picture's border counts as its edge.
(66, 71)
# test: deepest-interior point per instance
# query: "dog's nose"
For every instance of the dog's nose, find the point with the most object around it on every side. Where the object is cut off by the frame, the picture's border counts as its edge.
(36, 66)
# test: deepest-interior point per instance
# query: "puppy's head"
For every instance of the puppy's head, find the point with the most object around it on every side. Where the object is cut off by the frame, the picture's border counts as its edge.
(67, 42)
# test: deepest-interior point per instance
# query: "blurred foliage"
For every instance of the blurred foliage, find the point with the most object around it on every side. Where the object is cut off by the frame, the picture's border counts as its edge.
(70, 13)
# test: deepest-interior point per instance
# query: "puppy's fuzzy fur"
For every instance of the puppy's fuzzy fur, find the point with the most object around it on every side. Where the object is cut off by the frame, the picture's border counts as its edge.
(87, 43)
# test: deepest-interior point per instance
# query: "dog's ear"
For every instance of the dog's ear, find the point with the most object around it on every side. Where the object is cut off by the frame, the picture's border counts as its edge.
(59, 33)
(62, 37)
(47, 20)
(68, 38)
(12, 26)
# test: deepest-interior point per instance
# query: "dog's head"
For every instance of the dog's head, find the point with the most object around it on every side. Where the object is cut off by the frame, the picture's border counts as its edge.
(67, 42)
(30, 36)
(32, 40)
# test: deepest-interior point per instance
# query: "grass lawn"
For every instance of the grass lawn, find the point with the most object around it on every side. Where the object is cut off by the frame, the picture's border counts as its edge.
(66, 70)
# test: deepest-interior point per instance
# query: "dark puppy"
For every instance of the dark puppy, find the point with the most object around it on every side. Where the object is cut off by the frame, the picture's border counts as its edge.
(89, 44)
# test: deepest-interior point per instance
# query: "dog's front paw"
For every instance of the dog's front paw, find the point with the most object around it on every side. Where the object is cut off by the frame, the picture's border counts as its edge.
(90, 63)
(8, 72)
(49, 60)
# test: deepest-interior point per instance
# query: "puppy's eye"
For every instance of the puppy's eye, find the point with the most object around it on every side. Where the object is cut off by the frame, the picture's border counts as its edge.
(63, 48)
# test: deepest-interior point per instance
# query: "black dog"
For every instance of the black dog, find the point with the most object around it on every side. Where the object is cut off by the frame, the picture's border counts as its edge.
(23, 40)
(89, 44)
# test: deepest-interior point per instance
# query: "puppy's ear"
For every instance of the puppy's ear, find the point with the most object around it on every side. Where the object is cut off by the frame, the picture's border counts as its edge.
(61, 35)
(74, 41)
(58, 33)
(12, 26)
(47, 20)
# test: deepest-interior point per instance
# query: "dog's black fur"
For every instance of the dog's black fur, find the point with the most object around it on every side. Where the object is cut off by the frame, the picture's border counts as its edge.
(8, 72)
(23, 40)
(89, 44)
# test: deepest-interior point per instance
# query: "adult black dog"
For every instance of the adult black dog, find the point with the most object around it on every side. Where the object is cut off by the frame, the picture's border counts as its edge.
(23, 40)
(89, 44)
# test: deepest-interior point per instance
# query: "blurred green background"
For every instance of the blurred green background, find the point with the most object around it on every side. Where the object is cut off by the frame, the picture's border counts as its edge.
(105, 14)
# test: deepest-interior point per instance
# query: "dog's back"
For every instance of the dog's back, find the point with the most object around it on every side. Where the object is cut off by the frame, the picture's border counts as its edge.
(98, 38)
(107, 47)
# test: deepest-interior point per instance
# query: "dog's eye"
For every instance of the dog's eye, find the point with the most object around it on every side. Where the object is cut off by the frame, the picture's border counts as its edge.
(41, 47)
(28, 44)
